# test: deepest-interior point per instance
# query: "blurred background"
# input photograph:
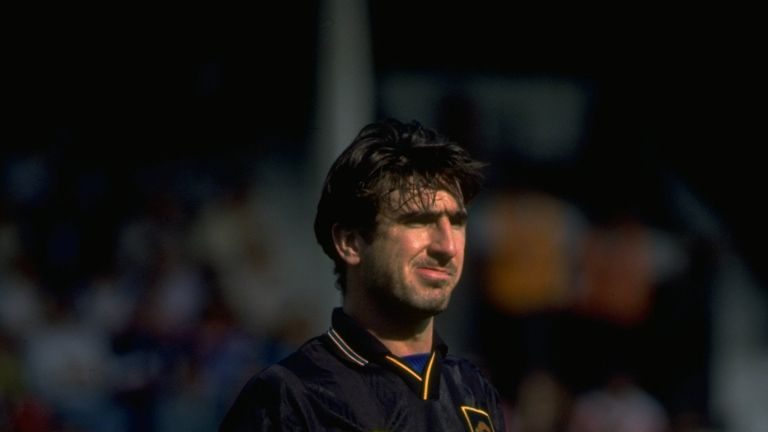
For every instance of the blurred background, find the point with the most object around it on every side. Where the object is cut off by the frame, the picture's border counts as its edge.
(158, 178)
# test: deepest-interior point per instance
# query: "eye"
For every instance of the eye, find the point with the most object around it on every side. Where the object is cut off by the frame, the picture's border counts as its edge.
(458, 220)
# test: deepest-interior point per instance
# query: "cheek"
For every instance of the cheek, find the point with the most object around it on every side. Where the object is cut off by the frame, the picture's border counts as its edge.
(460, 244)
(460, 239)
(409, 244)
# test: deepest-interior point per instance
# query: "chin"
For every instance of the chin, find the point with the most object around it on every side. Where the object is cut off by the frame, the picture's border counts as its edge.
(433, 308)
(438, 311)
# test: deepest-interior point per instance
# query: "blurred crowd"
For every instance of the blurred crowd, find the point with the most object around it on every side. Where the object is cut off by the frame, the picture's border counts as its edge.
(592, 320)
(152, 319)
(148, 320)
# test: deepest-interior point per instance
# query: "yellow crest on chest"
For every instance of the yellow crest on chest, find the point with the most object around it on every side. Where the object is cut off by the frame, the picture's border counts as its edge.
(477, 419)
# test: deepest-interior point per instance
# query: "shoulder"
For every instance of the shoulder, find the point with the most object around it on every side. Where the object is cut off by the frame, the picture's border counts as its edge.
(276, 394)
(311, 365)
(311, 359)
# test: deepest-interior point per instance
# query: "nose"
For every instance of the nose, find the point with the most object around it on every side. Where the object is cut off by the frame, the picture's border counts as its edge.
(442, 245)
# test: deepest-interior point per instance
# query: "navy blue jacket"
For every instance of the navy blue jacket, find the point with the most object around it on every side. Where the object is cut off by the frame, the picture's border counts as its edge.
(347, 380)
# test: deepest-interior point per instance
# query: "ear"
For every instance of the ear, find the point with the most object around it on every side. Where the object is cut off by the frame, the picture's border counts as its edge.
(348, 243)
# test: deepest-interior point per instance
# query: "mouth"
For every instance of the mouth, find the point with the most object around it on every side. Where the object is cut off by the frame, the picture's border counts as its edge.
(436, 274)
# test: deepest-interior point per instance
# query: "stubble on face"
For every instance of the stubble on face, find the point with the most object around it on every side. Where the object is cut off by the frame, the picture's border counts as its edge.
(405, 273)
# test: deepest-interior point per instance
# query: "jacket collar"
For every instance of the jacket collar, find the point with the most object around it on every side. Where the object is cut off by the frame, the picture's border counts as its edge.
(358, 346)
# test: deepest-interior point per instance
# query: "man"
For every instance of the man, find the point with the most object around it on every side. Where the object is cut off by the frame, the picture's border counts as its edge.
(392, 217)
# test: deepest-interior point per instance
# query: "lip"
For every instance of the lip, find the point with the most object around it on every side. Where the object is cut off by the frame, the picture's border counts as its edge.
(434, 273)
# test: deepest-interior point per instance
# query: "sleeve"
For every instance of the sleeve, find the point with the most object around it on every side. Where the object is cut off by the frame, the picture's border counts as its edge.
(267, 403)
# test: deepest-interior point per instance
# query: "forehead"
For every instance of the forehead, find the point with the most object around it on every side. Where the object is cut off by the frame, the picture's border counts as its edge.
(422, 200)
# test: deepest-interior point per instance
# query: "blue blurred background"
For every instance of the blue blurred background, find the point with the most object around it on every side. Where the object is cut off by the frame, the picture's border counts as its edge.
(158, 180)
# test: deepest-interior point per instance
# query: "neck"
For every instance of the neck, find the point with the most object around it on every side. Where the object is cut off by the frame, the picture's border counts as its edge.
(401, 336)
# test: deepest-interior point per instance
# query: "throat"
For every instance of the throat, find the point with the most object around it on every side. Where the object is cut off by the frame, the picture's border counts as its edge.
(401, 337)
(405, 348)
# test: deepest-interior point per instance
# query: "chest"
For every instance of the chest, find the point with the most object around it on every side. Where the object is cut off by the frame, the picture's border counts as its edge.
(377, 400)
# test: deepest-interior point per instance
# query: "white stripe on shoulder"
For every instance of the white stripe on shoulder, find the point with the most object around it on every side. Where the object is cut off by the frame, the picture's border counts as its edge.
(349, 352)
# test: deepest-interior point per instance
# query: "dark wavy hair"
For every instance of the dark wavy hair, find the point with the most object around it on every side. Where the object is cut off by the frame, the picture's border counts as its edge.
(389, 156)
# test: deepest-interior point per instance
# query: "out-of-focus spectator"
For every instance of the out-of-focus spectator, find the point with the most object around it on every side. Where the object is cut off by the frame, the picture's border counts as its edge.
(21, 304)
(188, 402)
(68, 365)
(619, 406)
(542, 404)
(530, 240)
(106, 304)
(618, 277)
(231, 236)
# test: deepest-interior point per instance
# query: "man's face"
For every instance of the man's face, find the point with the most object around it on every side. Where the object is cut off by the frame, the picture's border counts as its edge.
(417, 253)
